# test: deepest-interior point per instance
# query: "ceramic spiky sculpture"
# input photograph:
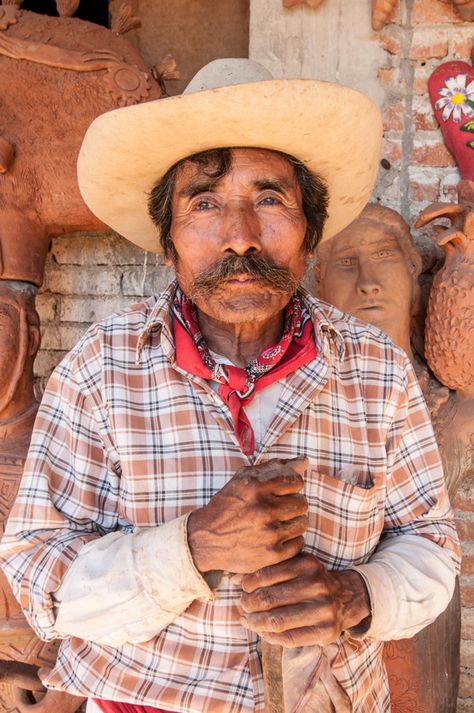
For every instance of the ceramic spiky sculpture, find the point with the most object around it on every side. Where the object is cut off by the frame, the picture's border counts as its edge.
(449, 326)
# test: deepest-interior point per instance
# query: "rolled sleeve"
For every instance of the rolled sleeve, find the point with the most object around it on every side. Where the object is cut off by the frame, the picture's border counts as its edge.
(128, 587)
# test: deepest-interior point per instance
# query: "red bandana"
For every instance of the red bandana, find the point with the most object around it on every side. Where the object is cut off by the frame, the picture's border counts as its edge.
(238, 386)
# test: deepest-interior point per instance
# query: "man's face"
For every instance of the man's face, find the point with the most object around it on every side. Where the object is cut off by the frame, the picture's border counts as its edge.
(367, 275)
(253, 212)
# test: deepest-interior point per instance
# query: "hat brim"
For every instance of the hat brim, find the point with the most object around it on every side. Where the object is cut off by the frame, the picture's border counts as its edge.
(334, 130)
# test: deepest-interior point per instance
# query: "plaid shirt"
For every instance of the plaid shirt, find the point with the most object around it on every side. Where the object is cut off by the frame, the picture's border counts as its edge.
(122, 443)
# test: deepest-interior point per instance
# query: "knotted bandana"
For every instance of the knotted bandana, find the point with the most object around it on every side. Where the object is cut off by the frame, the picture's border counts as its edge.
(237, 386)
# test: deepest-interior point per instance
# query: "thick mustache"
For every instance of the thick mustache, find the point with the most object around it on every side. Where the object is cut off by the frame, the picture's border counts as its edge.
(258, 268)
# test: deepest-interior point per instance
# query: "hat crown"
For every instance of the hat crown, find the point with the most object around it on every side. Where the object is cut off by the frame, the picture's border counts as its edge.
(226, 73)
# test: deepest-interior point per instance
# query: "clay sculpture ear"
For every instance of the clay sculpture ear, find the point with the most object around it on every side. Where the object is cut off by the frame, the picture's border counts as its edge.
(451, 88)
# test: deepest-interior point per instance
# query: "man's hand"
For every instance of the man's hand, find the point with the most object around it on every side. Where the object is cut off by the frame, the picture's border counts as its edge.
(256, 520)
(300, 603)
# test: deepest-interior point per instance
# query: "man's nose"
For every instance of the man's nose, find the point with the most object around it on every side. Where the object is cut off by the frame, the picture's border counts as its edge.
(368, 283)
(240, 230)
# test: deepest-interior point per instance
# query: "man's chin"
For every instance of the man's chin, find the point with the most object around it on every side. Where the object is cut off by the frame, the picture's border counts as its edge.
(244, 308)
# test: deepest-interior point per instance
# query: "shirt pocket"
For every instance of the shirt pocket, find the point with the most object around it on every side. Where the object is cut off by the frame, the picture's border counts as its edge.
(345, 519)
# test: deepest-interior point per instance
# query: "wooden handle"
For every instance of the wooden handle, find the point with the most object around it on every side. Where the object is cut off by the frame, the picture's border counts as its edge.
(272, 678)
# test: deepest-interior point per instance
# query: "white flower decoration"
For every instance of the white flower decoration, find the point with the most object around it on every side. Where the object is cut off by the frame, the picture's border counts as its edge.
(455, 96)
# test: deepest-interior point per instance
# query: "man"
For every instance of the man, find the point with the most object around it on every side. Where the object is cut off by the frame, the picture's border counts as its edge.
(230, 460)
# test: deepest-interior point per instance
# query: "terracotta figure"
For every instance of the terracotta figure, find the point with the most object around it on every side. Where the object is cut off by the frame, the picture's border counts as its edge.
(371, 271)
(20, 651)
(56, 75)
(449, 337)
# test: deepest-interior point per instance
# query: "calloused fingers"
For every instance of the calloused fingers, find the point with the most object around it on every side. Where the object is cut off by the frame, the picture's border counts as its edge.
(288, 529)
(302, 636)
(303, 566)
(285, 507)
(284, 594)
(287, 550)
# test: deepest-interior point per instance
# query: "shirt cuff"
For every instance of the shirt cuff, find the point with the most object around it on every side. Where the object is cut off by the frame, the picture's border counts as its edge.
(410, 581)
(164, 563)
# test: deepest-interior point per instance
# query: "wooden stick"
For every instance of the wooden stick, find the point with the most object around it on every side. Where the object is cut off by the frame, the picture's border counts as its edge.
(272, 678)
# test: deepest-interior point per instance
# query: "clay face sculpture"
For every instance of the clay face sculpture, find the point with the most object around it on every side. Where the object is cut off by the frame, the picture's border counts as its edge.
(370, 270)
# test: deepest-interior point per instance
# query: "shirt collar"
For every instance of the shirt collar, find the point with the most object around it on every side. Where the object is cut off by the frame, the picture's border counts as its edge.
(329, 341)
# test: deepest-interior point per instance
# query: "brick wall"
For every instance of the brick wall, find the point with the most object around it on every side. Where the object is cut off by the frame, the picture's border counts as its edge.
(90, 276)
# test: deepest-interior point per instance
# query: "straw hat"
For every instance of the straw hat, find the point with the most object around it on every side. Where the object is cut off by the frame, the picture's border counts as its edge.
(335, 131)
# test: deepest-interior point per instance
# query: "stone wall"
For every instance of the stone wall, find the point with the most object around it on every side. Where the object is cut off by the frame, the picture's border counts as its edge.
(89, 276)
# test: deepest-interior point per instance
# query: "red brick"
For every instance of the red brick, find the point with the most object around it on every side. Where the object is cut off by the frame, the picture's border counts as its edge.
(466, 685)
(389, 75)
(461, 43)
(393, 116)
(421, 75)
(424, 121)
(392, 150)
(389, 39)
(433, 11)
(422, 113)
(422, 192)
(467, 566)
(428, 44)
(431, 153)
(467, 623)
(464, 500)
(467, 653)
(465, 530)
(467, 597)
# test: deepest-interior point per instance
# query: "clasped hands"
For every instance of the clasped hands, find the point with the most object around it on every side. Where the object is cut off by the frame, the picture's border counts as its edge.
(254, 527)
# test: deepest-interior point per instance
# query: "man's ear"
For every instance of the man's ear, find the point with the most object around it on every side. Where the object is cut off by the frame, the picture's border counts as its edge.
(170, 253)
(34, 339)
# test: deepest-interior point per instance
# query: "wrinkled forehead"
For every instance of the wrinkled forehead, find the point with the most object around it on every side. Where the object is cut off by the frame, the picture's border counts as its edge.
(225, 158)
(363, 235)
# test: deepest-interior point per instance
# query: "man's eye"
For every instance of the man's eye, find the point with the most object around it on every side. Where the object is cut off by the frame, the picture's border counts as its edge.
(384, 253)
(345, 261)
(203, 205)
(269, 200)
